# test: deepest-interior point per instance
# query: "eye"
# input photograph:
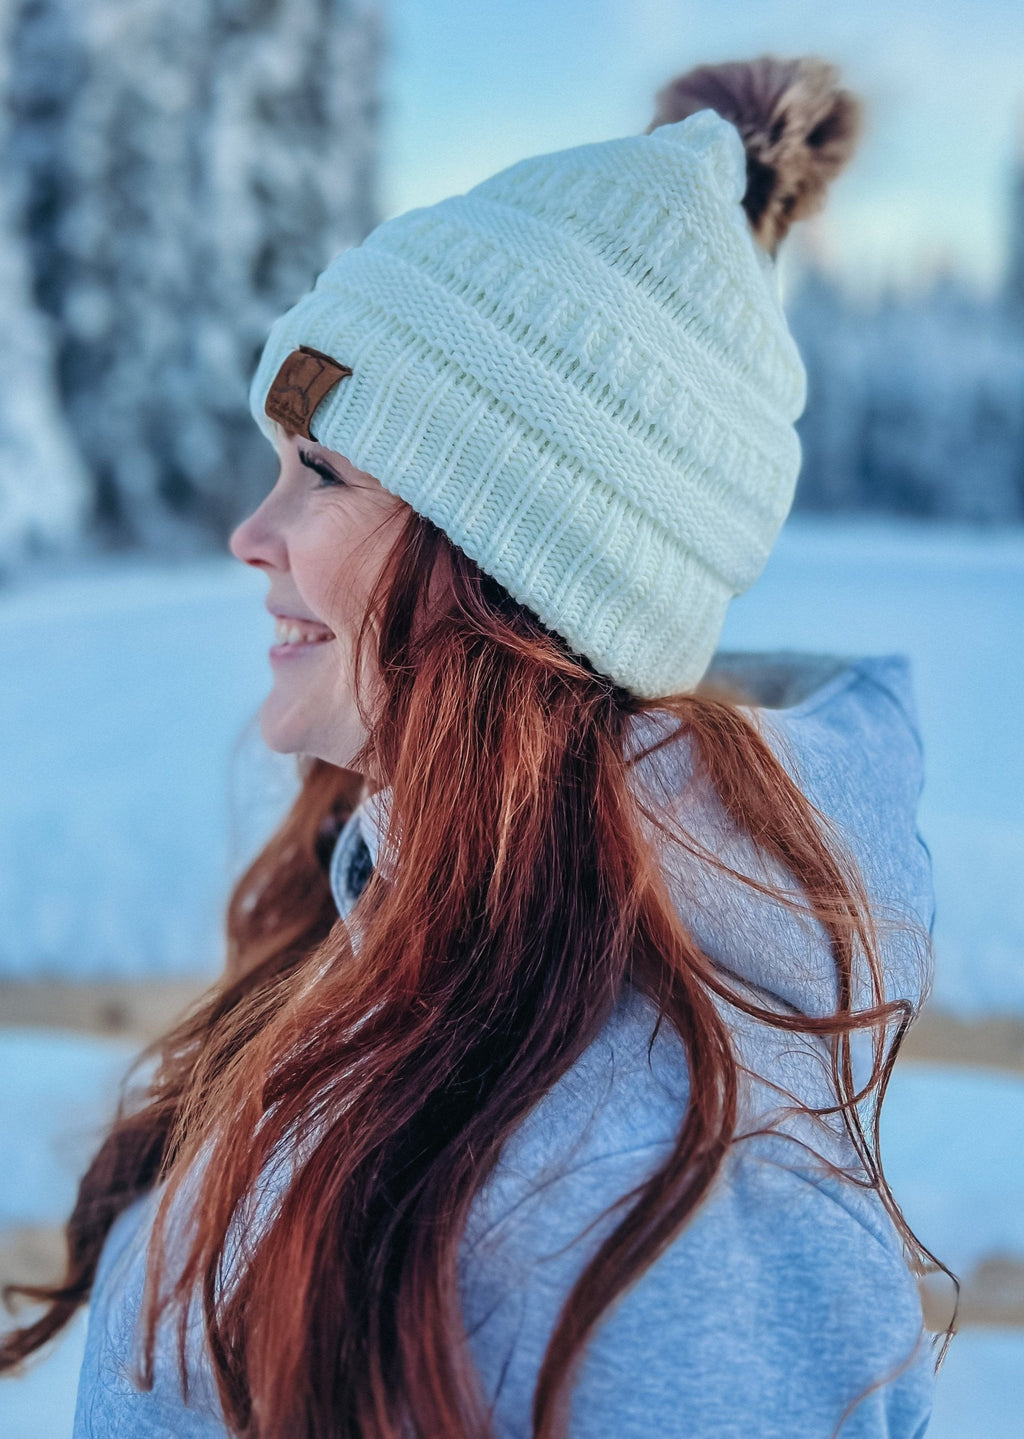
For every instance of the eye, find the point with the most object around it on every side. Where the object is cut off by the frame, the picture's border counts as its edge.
(320, 467)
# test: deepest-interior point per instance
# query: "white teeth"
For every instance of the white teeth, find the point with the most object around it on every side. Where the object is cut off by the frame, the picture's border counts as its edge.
(290, 634)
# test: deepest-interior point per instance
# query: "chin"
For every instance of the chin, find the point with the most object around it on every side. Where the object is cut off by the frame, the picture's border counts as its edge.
(291, 738)
(283, 733)
(279, 743)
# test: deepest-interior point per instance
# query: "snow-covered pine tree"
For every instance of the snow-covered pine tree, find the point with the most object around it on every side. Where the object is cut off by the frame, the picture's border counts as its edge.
(832, 349)
(915, 403)
(43, 483)
(1014, 282)
(187, 167)
(287, 171)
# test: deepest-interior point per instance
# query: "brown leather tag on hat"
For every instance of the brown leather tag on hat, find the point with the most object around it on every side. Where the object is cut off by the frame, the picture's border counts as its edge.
(299, 386)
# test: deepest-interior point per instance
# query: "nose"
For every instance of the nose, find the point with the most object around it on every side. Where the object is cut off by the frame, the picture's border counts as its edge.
(258, 541)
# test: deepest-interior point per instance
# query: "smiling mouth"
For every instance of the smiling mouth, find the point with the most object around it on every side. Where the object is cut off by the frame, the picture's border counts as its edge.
(293, 634)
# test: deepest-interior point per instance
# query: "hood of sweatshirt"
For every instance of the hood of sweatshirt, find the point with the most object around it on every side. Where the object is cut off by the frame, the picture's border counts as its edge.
(846, 729)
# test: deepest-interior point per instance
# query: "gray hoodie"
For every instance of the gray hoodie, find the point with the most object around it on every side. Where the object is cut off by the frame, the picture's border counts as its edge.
(787, 1295)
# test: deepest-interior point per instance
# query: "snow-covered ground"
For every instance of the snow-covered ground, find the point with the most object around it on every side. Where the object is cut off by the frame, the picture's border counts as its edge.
(127, 737)
(953, 1144)
(134, 780)
(59, 1091)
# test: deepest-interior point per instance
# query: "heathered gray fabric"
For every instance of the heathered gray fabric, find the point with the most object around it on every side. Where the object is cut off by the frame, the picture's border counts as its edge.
(787, 1295)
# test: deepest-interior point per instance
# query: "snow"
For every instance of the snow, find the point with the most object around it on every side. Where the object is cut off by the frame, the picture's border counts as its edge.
(43, 485)
(132, 714)
(953, 1148)
(179, 177)
(978, 1390)
(41, 1403)
(914, 403)
(59, 1091)
(952, 1142)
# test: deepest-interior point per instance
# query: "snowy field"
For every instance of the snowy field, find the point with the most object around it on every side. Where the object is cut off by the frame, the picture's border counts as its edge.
(135, 782)
(953, 1145)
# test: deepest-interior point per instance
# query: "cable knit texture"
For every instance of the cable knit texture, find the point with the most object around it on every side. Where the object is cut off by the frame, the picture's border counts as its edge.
(579, 370)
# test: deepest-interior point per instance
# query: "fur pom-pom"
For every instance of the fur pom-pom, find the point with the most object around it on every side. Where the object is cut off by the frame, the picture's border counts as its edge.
(798, 128)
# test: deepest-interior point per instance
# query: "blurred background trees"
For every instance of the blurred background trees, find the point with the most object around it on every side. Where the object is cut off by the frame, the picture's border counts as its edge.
(176, 173)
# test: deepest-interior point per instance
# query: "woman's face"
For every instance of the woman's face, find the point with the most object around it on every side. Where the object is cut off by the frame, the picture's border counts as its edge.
(321, 537)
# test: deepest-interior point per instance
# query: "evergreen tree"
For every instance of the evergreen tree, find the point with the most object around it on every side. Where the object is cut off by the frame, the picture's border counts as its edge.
(187, 167)
(43, 484)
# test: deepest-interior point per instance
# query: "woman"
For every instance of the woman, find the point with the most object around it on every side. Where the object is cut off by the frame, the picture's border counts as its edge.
(538, 1095)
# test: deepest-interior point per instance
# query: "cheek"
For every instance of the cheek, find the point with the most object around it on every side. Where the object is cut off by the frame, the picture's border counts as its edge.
(335, 576)
(320, 570)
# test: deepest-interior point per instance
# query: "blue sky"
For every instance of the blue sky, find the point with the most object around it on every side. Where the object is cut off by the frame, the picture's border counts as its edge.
(470, 87)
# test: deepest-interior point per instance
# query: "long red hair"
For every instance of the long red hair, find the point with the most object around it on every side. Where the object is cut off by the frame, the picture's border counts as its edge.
(522, 891)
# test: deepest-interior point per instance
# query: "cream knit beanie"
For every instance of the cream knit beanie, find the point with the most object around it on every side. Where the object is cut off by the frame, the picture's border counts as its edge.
(579, 370)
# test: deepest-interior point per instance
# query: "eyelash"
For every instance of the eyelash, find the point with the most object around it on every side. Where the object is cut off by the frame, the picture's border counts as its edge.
(327, 475)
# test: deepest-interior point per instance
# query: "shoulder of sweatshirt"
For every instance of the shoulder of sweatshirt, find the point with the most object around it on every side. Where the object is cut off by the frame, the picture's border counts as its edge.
(619, 1108)
(784, 1297)
(630, 1087)
(774, 1310)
